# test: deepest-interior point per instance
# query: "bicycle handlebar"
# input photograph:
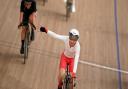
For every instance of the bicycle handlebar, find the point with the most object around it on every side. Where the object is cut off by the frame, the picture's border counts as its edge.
(26, 24)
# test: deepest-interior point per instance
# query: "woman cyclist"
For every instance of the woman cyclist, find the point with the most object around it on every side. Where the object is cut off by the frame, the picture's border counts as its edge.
(27, 15)
(70, 54)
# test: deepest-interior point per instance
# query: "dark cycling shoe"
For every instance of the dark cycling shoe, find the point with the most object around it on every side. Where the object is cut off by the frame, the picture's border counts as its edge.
(22, 50)
(59, 87)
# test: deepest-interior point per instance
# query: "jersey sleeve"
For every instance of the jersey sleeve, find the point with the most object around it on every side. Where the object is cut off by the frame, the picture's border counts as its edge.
(22, 6)
(76, 59)
(57, 36)
(34, 6)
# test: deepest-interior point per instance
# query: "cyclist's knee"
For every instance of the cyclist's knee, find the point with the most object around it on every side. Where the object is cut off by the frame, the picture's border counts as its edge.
(31, 18)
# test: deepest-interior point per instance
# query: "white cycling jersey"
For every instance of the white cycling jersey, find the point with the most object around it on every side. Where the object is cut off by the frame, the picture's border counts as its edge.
(71, 52)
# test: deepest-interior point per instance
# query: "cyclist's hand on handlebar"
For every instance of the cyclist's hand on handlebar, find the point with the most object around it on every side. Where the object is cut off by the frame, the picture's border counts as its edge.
(19, 25)
(43, 29)
(74, 82)
(33, 26)
(74, 79)
(73, 75)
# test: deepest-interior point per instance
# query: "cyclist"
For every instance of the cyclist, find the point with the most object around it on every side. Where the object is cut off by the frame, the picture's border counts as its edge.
(71, 4)
(27, 15)
(70, 54)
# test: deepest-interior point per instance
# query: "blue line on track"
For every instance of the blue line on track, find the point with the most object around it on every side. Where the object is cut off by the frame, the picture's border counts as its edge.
(117, 44)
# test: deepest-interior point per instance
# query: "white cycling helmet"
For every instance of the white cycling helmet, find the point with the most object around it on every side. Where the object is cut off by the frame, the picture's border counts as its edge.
(74, 34)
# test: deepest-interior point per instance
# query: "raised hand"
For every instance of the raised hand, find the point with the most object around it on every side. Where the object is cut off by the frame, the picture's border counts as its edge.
(43, 29)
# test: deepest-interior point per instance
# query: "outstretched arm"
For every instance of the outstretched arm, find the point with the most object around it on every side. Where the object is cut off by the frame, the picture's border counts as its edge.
(21, 12)
(53, 34)
(76, 59)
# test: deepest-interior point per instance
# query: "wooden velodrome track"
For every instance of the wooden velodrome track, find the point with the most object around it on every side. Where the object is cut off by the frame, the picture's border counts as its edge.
(103, 26)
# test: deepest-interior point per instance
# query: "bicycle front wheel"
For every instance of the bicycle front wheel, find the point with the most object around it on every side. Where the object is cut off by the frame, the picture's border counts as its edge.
(25, 48)
(66, 84)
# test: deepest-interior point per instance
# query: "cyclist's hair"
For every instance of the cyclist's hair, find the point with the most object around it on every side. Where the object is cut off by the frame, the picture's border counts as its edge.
(28, 0)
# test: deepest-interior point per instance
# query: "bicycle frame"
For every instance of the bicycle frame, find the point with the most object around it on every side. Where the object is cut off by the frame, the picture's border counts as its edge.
(28, 27)
(68, 81)
(27, 41)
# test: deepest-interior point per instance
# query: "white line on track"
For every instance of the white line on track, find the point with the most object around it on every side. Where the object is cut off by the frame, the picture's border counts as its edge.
(103, 67)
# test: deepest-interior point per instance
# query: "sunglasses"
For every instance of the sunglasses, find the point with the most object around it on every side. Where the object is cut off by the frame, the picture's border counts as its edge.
(73, 37)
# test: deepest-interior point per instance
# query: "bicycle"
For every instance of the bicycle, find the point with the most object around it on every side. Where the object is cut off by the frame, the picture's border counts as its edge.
(44, 1)
(28, 37)
(68, 9)
(68, 82)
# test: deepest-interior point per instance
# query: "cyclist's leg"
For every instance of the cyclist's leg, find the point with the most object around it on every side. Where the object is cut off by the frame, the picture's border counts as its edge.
(61, 77)
(69, 5)
(23, 31)
(32, 18)
(72, 4)
(22, 40)
(71, 65)
(62, 69)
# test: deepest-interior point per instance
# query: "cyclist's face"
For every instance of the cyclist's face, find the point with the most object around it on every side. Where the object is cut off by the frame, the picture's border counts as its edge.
(28, 4)
(72, 42)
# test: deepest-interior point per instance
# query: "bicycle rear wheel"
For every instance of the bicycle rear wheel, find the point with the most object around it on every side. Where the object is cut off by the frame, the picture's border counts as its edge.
(67, 84)
(26, 47)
